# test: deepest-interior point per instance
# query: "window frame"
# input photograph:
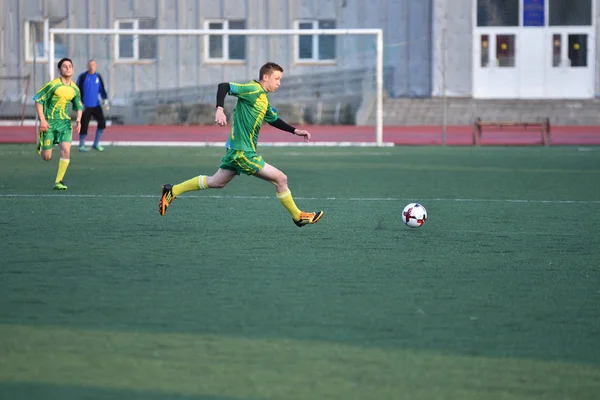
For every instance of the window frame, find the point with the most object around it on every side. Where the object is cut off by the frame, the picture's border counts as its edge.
(224, 42)
(29, 56)
(136, 43)
(315, 44)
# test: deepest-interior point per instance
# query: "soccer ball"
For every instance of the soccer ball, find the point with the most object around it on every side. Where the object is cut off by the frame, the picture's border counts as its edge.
(414, 215)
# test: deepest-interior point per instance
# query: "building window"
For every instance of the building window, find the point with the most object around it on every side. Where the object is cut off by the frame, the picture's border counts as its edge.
(37, 39)
(505, 50)
(578, 50)
(224, 47)
(570, 12)
(556, 50)
(315, 48)
(485, 51)
(135, 47)
(498, 12)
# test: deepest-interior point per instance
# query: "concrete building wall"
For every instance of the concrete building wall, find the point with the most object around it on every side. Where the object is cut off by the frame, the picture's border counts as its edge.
(452, 47)
(452, 43)
(180, 61)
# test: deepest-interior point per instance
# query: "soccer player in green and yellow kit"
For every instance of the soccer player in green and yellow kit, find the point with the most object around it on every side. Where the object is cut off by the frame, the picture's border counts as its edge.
(52, 105)
(251, 110)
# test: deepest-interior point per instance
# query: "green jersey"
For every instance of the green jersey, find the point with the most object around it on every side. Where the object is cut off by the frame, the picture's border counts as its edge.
(251, 110)
(55, 96)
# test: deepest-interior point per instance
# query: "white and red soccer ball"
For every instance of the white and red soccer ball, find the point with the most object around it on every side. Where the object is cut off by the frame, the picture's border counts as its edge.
(414, 215)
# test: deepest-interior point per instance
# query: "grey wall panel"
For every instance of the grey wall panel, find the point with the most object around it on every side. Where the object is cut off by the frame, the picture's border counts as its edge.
(181, 61)
(452, 55)
(149, 8)
(346, 47)
(398, 45)
(258, 14)
(145, 77)
(167, 15)
(209, 9)
(100, 45)
(419, 48)
(187, 15)
(12, 27)
(165, 72)
(121, 9)
(123, 81)
(597, 60)
(372, 15)
(277, 48)
(302, 9)
(326, 8)
(188, 46)
(79, 45)
(9, 34)
(57, 8)
(3, 57)
(234, 9)
(33, 8)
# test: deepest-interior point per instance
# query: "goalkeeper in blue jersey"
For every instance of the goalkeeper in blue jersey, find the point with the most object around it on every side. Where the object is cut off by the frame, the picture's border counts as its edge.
(251, 110)
(91, 86)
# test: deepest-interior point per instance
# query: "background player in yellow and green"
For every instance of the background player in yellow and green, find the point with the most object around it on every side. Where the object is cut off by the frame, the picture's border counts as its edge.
(52, 105)
(251, 110)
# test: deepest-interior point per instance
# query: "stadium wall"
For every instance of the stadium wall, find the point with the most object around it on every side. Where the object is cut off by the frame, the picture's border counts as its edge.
(406, 24)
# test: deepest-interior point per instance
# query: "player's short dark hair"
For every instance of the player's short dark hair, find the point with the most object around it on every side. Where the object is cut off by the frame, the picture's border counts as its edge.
(268, 69)
(62, 60)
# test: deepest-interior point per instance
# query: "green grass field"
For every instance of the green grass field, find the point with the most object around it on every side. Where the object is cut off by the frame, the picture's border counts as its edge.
(496, 297)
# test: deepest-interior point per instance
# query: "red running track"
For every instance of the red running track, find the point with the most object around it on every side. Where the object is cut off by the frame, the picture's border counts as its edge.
(398, 135)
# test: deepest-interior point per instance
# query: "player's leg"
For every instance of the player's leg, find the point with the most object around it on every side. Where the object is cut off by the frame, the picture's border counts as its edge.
(228, 169)
(39, 142)
(85, 123)
(46, 141)
(64, 138)
(45, 146)
(218, 181)
(46, 154)
(271, 174)
(99, 116)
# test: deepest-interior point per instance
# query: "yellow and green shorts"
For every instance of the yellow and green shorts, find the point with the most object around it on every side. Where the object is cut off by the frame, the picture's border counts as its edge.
(60, 130)
(240, 161)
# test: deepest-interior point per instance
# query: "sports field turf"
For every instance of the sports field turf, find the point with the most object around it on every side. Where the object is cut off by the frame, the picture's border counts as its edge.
(496, 297)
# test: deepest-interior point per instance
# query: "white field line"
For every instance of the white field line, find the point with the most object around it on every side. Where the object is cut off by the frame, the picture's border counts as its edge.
(342, 199)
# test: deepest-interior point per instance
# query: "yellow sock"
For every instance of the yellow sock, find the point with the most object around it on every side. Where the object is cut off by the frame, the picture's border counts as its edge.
(63, 163)
(196, 183)
(288, 202)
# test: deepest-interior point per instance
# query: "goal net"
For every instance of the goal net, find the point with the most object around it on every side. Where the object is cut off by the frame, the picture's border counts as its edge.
(333, 78)
(14, 90)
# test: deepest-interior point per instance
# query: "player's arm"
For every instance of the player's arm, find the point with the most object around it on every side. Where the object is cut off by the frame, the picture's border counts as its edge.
(39, 99)
(284, 126)
(78, 121)
(103, 93)
(77, 106)
(39, 107)
(272, 118)
(222, 90)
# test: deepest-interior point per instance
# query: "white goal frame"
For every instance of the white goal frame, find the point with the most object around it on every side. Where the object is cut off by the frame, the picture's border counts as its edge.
(378, 33)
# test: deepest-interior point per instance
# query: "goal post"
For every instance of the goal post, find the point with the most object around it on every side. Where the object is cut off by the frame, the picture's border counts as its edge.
(376, 33)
